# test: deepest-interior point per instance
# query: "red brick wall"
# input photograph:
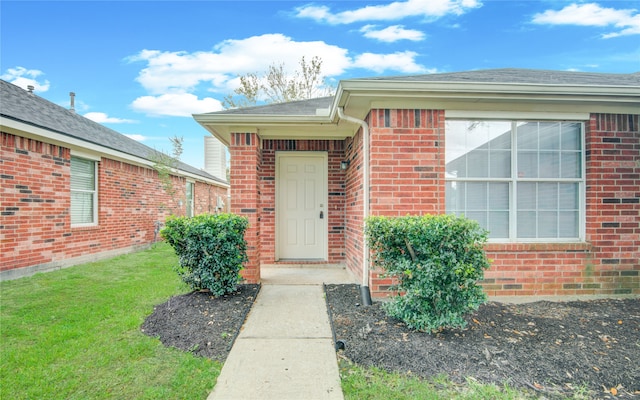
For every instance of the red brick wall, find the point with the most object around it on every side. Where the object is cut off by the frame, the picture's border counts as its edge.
(33, 205)
(336, 192)
(205, 198)
(36, 228)
(245, 195)
(253, 194)
(407, 168)
(613, 202)
(609, 260)
(407, 163)
(407, 177)
(354, 204)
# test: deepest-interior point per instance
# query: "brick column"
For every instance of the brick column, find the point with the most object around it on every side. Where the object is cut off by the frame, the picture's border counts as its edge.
(245, 166)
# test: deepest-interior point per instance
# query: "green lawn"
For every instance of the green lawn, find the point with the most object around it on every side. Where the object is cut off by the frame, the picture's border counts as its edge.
(374, 384)
(75, 334)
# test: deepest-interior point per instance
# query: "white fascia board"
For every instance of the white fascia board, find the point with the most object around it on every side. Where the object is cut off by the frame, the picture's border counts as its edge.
(261, 119)
(49, 136)
(222, 126)
(512, 115)
(617, 92)
(83, 148)
(95, 156)
(359, 97)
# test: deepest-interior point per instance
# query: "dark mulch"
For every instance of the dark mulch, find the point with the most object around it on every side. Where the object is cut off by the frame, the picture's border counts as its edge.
(549, 347)
(201, 323)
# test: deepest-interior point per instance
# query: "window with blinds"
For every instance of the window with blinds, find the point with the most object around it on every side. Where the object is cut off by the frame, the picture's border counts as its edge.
(521, 180)
(84, 196)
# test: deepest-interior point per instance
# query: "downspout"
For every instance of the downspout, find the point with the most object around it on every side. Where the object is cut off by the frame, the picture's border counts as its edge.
(364, 289)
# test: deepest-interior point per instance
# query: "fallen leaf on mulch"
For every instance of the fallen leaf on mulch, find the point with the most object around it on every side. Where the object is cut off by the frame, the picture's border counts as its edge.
(563, 346)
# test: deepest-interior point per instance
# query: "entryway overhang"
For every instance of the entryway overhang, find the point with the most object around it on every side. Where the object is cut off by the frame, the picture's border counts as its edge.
(276, 127)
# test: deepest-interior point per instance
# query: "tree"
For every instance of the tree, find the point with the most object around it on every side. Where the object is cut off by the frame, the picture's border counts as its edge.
(275, 86)
(166, 165)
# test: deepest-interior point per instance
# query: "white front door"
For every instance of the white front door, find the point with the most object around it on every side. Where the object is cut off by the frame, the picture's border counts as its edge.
(301, 206)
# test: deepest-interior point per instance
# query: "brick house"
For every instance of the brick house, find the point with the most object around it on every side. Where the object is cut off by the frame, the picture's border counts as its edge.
(547, 161)
(74, 191)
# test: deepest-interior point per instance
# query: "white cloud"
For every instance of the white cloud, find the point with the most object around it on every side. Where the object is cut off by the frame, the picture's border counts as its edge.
(627, 21)
(170, 77)
(103, 118)
(392, 33)
(179, 72)
(400, 61)
(23, 78)
(175, 104)
(397, 10)
(136, 137)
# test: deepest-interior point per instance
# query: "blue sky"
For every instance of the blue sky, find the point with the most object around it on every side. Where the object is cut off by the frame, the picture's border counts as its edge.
(142, 68)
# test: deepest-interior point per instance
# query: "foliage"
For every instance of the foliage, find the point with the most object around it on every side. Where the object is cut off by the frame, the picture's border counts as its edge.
(372, 383)
(75, 334)
(210, 248)
(278, 87)
(437, 261)
(166, 165)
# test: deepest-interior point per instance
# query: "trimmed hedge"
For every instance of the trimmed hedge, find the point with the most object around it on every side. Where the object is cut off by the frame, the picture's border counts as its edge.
(211, 250)
(437, 260)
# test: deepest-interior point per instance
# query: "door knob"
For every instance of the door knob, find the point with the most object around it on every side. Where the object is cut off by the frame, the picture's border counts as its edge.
(321, 214)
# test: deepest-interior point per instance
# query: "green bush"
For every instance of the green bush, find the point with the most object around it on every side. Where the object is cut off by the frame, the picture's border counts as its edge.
(211, 250)
(437, 260)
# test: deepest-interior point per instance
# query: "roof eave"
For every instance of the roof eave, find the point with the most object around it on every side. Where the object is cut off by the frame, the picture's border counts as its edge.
(26, 129)
(358, 96)
(223, 125)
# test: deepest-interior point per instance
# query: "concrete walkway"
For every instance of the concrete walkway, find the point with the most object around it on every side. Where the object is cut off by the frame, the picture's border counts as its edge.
(285, 349)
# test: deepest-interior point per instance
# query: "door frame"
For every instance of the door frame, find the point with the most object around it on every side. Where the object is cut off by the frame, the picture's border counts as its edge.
(324, 198)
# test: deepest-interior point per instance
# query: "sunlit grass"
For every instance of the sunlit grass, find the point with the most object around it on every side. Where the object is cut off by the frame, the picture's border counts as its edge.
(75, 334)
(360, 383)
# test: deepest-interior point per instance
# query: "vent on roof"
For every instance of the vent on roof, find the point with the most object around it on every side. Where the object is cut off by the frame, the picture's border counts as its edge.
(30, 89)
(73, 102)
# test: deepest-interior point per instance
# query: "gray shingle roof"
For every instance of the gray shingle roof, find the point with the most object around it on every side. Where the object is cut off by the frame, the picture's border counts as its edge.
(498, 76)
(20, 105)
(523, 76)
(292, 108)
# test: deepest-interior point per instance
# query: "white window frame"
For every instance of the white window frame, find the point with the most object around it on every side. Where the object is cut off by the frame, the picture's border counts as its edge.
(513, 179)
(93, 192)
(190, 209)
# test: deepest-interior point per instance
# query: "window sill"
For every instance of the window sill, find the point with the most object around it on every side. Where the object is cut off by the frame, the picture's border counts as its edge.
(84, 226)
(539, 246)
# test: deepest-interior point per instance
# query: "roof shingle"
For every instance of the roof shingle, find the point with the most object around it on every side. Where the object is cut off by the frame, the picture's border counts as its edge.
(20, 105)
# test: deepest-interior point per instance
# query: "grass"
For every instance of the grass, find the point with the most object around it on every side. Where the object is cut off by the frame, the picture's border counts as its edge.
(360, 383)
(75, 334)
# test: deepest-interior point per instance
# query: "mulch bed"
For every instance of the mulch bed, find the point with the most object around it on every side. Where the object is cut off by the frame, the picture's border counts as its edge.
(200, 323)
(553, 348)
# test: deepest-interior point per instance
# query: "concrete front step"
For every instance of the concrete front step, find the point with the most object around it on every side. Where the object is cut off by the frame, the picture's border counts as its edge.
(305, 275)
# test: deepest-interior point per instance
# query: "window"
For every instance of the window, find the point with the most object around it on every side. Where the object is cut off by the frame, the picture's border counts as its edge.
(519, 180)
(190, 186)
(84, 196)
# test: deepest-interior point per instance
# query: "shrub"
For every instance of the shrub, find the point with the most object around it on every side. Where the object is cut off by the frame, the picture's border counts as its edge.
(211, 250)
(437, 261)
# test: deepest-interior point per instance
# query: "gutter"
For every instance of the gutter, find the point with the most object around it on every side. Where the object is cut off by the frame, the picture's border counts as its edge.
(364, 288)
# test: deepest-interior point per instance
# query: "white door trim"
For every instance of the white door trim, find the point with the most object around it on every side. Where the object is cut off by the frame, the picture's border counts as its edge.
(321, 203)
